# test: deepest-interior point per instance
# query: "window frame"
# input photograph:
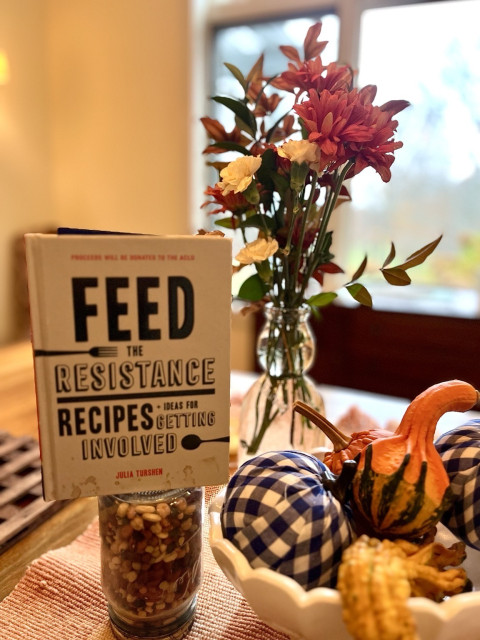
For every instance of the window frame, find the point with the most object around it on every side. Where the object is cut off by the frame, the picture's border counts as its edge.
(221, 13)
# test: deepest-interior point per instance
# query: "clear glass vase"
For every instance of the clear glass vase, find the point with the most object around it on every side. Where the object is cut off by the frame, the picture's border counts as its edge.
(151, 544)
(285, 350)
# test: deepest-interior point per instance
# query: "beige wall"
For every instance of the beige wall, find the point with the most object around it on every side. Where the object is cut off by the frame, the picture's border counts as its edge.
(94, 123)
(119, 87)
(96, 126)
(25, 170)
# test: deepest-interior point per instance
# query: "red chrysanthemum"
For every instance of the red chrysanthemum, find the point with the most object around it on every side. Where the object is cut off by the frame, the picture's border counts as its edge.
(347, 126)
(330, 121)
(378, 151)
(312, 74)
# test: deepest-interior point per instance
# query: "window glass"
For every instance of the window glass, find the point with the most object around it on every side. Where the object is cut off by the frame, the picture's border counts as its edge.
(242, 45)
(432, 59)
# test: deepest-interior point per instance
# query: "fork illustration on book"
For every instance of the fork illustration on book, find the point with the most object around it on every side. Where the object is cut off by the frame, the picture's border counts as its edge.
(95, 352)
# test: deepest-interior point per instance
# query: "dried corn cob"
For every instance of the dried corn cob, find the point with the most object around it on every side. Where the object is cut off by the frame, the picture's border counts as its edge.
(374, 587)
(376, 578)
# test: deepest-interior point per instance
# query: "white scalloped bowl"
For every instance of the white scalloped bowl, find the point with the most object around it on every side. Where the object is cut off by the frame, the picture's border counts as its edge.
(283, 604)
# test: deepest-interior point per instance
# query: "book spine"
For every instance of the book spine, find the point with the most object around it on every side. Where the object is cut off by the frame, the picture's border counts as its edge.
(35, 276)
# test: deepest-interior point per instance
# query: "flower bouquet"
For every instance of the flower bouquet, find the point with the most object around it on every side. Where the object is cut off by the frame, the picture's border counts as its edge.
(280, 194)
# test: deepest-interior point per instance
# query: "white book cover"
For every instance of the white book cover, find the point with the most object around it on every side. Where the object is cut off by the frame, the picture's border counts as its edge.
(131, 341)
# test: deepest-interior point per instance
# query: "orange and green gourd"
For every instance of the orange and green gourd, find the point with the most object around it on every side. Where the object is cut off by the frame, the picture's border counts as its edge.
(400, 488)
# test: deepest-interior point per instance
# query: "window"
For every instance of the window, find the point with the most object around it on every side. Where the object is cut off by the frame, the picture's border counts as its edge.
(436, 175)
(432, 59)
(246, 42)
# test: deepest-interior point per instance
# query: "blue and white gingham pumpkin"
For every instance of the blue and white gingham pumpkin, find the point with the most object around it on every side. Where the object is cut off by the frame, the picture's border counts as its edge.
(460, 453)
(280, 516)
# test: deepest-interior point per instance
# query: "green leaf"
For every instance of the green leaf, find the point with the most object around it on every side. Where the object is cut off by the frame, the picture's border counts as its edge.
(324, 250)
(281, 183)
(246, 128)
(360, 294)
(266, 168)
(421, 255)
(237, 74)
(303, 129)
(258, 221)
(264, 271)
(231, 146)
(396, 276)
(252, 289)
(322, 299)
(264, 87)
(273, 128)
(359, 272)
(226, 223)
(256, 70)
(242, 112)
(265, 176)
(390, 256)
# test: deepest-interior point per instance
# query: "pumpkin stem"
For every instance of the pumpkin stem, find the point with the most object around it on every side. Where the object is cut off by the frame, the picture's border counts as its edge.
(339, 440)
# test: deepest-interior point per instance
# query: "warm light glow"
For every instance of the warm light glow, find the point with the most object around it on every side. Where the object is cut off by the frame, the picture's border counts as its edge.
(4, 68)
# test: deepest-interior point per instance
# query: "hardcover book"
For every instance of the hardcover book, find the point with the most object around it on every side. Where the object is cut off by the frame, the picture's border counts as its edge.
(131, 341)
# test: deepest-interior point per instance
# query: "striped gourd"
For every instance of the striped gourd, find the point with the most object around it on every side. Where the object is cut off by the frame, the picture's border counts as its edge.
(400, 487)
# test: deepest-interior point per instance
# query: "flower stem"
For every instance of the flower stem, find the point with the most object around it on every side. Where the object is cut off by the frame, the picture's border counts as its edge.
(267, 418)
(329, 207)
(304, 226)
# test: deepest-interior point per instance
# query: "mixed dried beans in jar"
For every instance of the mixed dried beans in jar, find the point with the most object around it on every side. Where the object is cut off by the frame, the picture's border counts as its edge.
(151, 557)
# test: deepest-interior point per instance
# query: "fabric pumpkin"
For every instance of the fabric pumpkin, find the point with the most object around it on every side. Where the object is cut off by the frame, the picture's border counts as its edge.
(280, 516)
(459, 450)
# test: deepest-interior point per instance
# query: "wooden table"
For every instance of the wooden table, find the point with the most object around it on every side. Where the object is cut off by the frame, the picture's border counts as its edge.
(18, 417)
(18, 412)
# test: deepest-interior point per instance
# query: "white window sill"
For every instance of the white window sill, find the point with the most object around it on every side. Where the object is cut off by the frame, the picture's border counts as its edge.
(422, 299)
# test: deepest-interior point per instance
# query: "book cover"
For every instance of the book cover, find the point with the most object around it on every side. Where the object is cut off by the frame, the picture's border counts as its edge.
(131, 341)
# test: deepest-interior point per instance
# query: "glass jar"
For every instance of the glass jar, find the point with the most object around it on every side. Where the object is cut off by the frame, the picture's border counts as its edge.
(285, 350)
(151, 546)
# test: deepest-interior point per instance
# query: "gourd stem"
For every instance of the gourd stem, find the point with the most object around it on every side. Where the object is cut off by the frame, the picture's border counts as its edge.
(339, 440)
(421, 416)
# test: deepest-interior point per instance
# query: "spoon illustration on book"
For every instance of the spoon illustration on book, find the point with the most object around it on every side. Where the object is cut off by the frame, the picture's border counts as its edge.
(192, 441)
(96, 352)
